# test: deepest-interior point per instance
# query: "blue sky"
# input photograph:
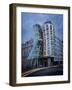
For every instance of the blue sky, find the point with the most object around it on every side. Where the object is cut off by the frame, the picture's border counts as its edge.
(29, 19)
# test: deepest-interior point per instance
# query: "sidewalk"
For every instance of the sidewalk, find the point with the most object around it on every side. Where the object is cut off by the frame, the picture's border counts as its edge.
(37, 69)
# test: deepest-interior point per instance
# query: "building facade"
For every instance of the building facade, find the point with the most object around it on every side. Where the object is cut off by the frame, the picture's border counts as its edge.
(25, 50)
(58, 56)
(37, 50)
(44, 49)
(48, 41)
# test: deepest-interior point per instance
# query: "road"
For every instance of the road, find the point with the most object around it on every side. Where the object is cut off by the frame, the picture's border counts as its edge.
(45, 71)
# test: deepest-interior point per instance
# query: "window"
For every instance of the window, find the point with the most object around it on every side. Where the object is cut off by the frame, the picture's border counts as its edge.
(47, 28)
(46, 25)
(50, 27)
(44, 52)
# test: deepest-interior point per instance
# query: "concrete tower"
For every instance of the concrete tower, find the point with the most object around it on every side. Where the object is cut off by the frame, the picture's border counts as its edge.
(48, 41)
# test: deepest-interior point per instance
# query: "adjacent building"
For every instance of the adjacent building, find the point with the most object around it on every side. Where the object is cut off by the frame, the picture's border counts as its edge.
(25, 50)
(58, 52)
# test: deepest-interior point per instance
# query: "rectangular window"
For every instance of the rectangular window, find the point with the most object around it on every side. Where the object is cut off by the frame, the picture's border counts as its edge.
(50, 27)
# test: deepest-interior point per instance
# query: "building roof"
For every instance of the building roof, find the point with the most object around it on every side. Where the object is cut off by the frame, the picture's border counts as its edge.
(48, 22)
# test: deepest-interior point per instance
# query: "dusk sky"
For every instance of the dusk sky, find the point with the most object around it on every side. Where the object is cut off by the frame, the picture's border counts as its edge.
(29, 19)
